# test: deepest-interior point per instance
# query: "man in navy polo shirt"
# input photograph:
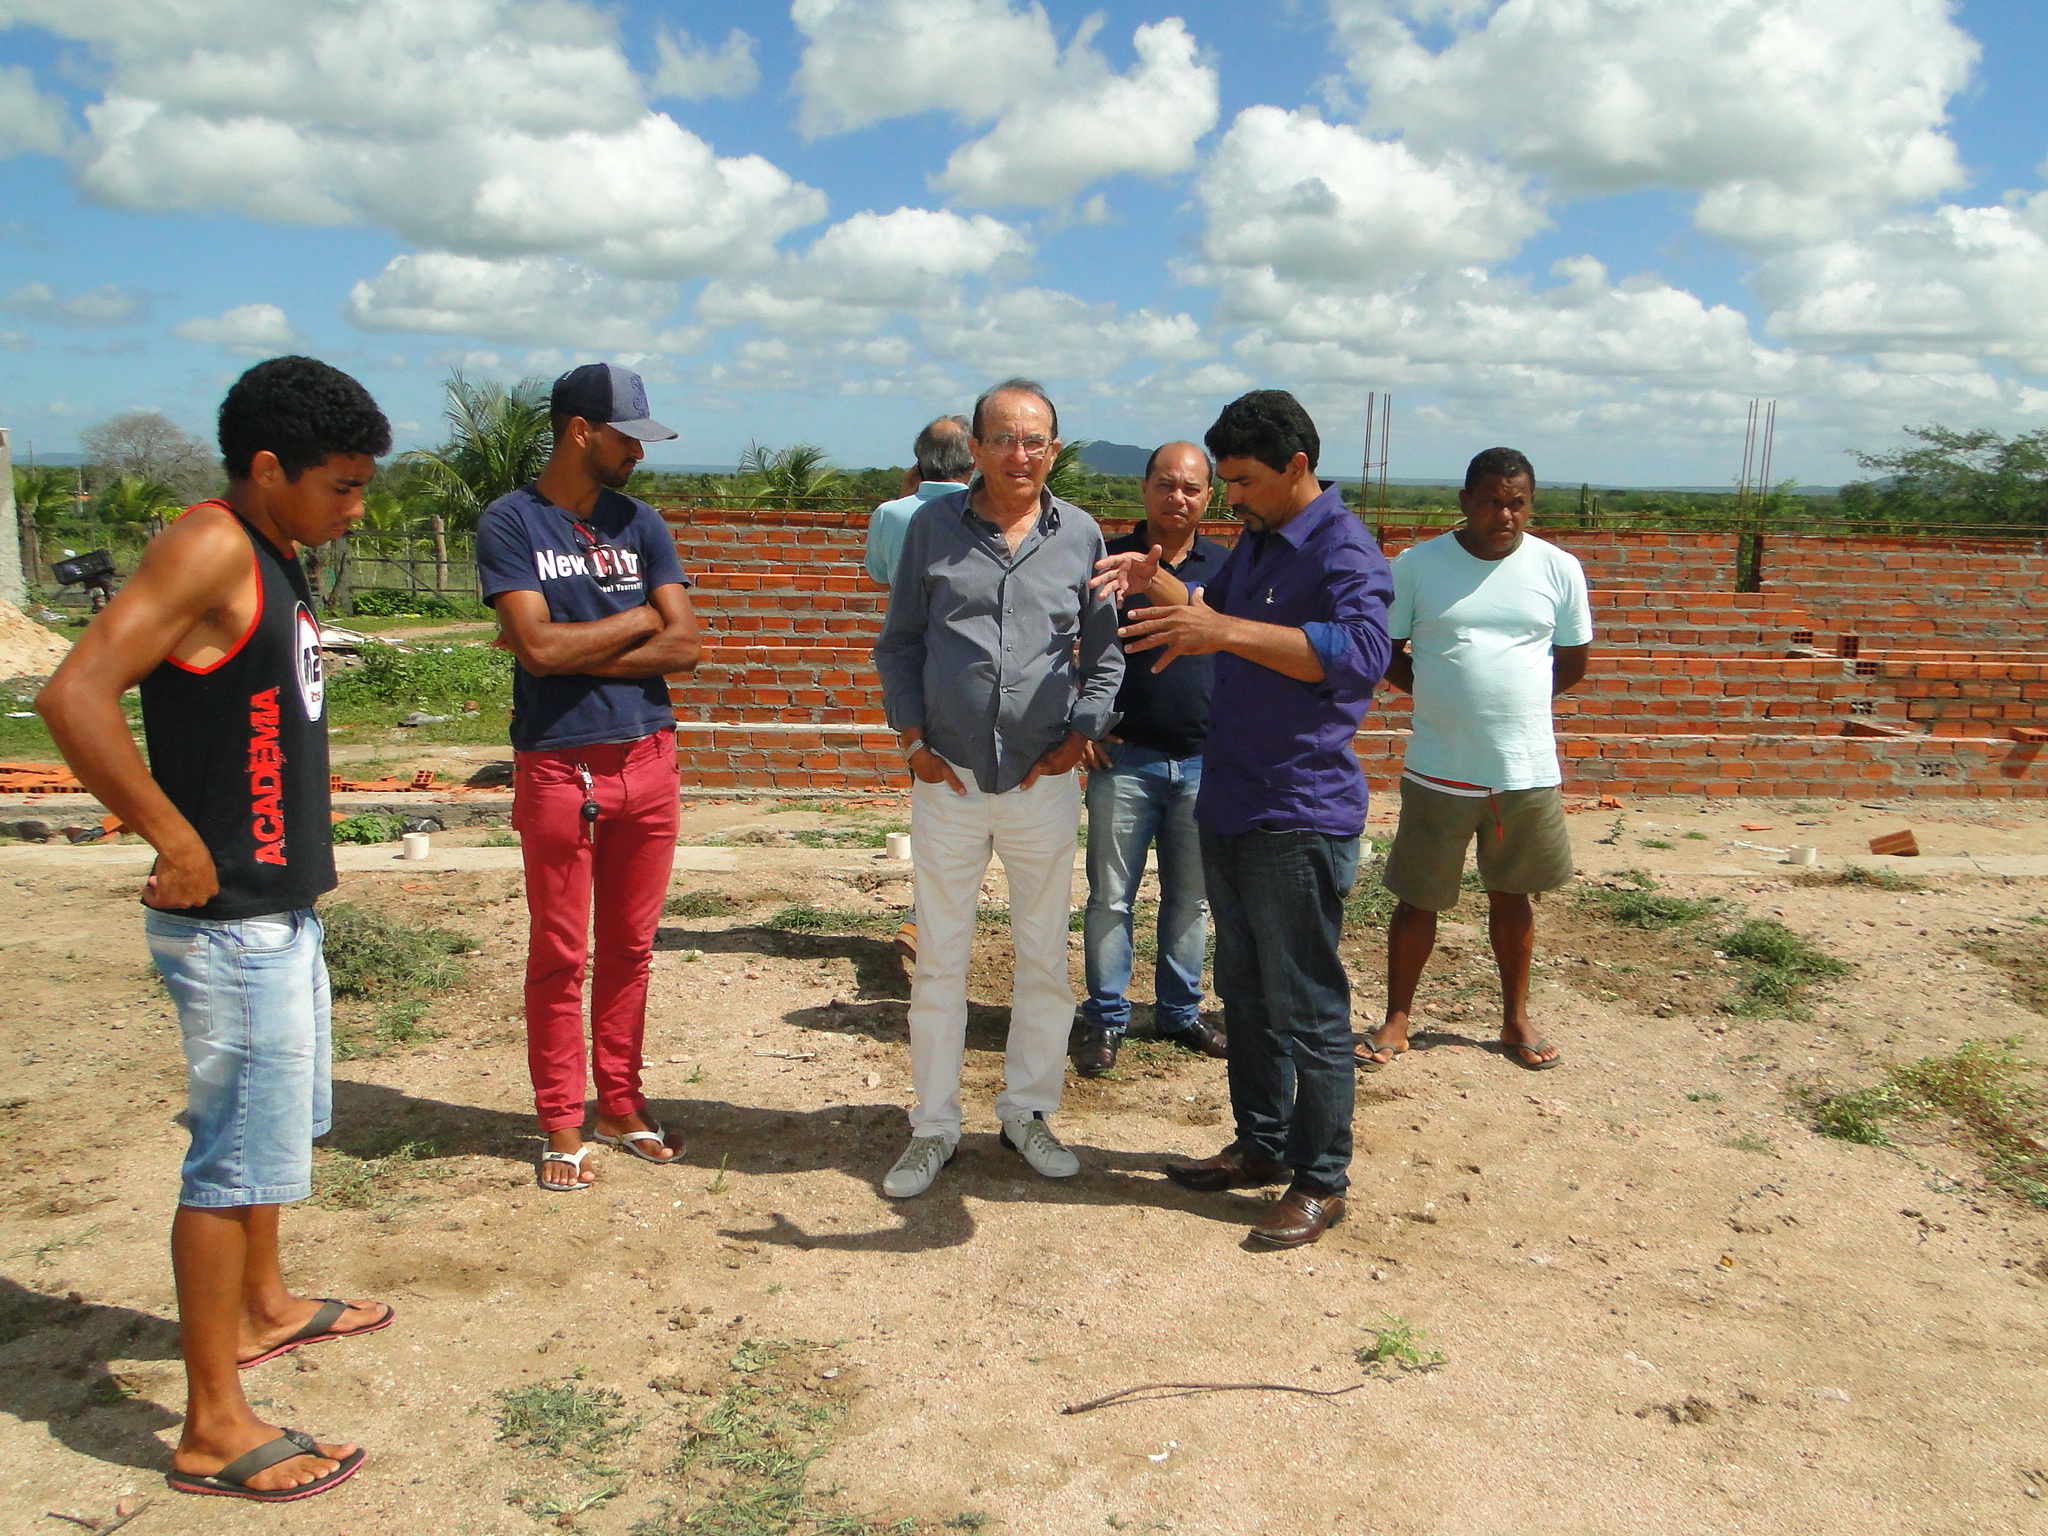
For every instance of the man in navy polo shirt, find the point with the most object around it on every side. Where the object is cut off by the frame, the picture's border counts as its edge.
(1297, 621)
(1142, 782)
(590, 597)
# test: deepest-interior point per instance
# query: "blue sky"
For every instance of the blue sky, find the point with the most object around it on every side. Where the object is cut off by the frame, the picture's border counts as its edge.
(1592, 229)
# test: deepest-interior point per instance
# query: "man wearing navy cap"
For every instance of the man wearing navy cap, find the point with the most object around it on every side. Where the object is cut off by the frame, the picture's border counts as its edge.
(590, 597)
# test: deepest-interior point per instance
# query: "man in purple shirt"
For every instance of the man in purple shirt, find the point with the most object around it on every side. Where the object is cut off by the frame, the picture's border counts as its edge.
(1297, 621)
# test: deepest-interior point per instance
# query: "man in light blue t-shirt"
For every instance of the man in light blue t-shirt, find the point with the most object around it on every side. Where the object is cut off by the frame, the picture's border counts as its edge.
(943, 465)
(1488, 626)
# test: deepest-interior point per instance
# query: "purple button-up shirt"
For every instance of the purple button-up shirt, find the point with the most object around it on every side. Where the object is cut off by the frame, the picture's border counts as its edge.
(1279, 755)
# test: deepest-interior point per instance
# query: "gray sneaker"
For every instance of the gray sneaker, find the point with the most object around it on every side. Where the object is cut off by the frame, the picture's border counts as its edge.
(1032, 1139)
(917, 1167)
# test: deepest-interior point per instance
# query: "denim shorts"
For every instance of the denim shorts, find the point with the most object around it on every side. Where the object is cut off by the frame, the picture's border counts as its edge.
(252, 1001)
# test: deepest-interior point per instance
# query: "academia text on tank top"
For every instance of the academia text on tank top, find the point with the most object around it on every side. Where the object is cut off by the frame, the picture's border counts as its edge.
(240, 747)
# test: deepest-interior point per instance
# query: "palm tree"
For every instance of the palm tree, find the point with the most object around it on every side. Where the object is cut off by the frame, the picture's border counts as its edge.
(786, 477)
(1068, 475)
(498, 440)
(137, 499)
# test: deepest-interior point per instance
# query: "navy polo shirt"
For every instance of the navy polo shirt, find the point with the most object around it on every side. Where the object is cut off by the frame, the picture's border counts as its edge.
(1167, 711)
(609, 563)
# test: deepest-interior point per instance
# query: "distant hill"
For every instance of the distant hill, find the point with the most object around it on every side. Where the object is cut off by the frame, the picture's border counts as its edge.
(1115, 458)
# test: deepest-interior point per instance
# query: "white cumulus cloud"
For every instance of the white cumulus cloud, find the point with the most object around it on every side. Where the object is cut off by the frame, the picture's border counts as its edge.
(1063, 118)
(1044, 333)
(1791, 118)
(1092, 123)
(525, 300)
(250, 330)
(485, 127)
(693, 71)
(29, 120)
(108, 304)
(861, 272)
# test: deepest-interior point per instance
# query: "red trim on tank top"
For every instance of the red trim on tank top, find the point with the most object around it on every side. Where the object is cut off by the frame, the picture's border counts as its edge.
(255, 565)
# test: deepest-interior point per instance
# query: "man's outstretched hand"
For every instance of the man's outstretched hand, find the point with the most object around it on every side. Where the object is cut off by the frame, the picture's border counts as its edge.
(1064, 758)
(1190, 629)
(1118, 576)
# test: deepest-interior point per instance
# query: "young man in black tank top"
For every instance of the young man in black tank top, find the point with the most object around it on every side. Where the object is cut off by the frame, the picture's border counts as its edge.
(216, 627)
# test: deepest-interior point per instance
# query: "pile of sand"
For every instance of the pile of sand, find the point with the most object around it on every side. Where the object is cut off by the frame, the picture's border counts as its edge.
(26, 648)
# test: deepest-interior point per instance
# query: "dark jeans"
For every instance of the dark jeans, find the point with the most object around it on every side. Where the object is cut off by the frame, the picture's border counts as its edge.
(1277, 902)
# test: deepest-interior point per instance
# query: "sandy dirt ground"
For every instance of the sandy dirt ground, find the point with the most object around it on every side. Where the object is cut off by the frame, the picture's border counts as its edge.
(1664, 1301)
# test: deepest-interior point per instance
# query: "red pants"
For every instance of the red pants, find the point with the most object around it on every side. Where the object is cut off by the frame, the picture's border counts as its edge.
(628, 851)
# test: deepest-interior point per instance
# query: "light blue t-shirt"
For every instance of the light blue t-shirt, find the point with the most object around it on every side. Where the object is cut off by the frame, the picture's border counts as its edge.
(1481, 632)
(887, 522)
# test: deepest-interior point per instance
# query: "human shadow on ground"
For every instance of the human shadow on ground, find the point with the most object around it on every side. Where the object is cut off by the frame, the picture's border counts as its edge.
(859, 1141)
(54, 1370)
(879, 971)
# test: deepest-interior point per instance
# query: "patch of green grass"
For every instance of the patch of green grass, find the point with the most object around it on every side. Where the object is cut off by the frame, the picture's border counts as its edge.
(1980, 1090)
(991, 915)
(2025, 963)
(1859, 875)
(345, 1183)
(371, 956)
(499, 839)
(1642, 906)
(396, 603)
(711, 903)
(435, 678)
(563, 1419)
(1653, 842)
(368, 827)
(747, 1462)
(1370, 904)
(866, 835)
(1698, 837)
(1703, 1098)
(1778, 967)
(1396, 1342)
(395, 1026)
(1760, 1145)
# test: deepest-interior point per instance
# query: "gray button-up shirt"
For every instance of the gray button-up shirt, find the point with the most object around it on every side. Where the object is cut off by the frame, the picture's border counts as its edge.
(997, 656)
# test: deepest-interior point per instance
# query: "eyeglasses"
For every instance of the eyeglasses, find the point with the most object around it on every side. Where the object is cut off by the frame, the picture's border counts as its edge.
(1006, 443)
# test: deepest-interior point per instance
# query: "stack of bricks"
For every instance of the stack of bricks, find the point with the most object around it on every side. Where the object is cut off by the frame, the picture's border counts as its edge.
(1801, 689)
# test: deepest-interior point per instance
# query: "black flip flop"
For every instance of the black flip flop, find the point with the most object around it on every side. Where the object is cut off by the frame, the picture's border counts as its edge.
(1367, 1064)
(320, 1329)
(232, 1480)
(1515, 1048)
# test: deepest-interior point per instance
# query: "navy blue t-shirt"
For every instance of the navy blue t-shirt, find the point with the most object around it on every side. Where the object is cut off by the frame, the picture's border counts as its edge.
(1167, 711)
(612, 562)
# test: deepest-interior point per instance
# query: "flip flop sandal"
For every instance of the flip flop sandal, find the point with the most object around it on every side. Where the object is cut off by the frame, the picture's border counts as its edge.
(232, 1480)
(574, 1160)
(320, 1329)
(1516, 1048)
(1365, 1061)
(625, 1143)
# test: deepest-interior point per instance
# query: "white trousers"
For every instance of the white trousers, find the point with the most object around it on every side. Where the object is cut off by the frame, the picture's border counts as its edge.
(951, 837)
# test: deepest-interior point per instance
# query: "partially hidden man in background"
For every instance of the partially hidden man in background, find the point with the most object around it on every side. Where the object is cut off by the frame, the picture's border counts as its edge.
(942, 461)
(1142, 783)
(999, 665)
(1489, 626)
(590, 597)
(1297, 621)
(217, 627)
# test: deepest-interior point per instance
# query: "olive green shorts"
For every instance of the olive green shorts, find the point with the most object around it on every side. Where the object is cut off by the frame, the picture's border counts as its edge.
(1523, 845)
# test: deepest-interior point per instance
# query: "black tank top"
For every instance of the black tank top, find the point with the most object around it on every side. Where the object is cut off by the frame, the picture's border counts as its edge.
(240, 748)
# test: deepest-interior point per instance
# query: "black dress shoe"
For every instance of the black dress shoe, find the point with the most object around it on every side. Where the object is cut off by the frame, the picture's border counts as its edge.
(1095, 1050)
(1232, 1168)
(1204, 1038)
(1298, 1218)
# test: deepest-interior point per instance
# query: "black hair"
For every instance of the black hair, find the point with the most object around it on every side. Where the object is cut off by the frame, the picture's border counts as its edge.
(1499, 464)
(1268, 425)
(1014, 387)
(1152, 459)
(303, 411)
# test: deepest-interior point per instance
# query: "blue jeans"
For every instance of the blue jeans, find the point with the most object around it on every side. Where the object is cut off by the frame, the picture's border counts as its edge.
(252, 1003)
(1147, 797)
(1278, 900)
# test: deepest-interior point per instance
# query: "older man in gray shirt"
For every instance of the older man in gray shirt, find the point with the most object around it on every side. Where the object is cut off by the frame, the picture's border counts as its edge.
(999, 665)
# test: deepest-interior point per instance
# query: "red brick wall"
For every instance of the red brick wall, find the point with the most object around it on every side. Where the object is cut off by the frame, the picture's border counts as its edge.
(1983, 593)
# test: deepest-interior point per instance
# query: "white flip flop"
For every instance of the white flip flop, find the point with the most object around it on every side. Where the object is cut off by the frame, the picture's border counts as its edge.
(625, 1144)
(574, 1160)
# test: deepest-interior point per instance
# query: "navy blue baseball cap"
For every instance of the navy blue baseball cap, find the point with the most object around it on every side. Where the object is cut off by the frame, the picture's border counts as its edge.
(609, 395)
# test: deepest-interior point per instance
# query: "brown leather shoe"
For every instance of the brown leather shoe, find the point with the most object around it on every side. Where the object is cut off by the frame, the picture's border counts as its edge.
(1094, 1050)
(1232, 1168)
(1298, 1218)
(1205, 1038)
